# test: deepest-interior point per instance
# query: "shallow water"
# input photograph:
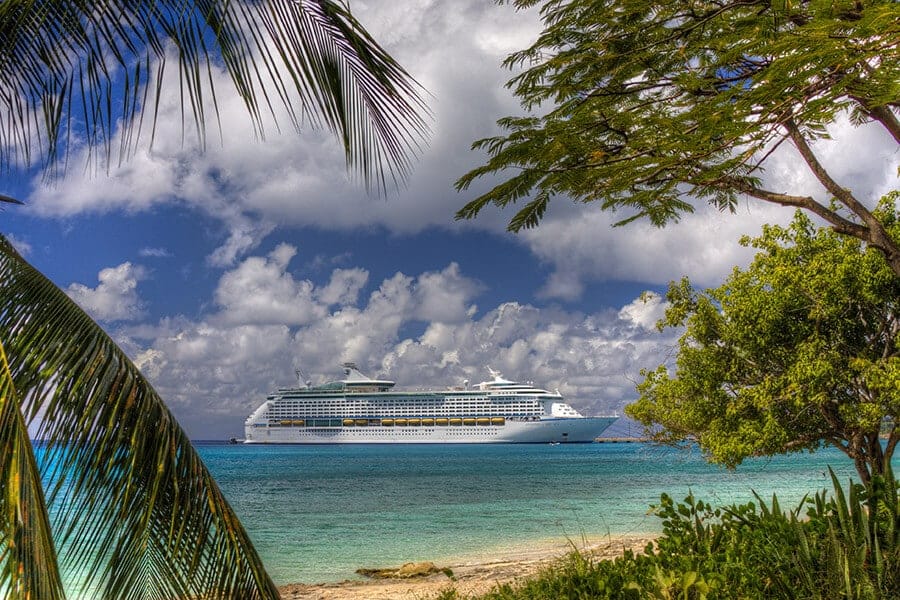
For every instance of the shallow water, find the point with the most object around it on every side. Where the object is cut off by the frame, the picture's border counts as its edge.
(317, 513)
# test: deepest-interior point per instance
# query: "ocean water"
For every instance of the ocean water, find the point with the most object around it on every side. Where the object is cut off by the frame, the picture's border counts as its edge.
(317, 513)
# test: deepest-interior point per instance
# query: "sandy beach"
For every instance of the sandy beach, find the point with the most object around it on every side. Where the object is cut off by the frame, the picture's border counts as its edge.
(474, 574)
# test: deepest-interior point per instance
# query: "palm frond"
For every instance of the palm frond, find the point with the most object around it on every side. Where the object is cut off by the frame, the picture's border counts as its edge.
(137, 513)
(74, 70)
(28, 566)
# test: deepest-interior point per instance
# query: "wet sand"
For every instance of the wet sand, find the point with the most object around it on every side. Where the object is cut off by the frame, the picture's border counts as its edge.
(472, 574)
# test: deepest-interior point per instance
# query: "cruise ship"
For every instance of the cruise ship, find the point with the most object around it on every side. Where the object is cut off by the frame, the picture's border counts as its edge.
(361, 410)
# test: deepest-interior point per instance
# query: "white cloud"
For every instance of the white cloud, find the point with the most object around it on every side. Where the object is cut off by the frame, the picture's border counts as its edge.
(644, 311)
(214, 371)
(295, 180)
(115, 298)
(445, 297)
(154, 253)
(582, 245)
(292, 180)
(344, 287)
(21, 246)
(261, 291)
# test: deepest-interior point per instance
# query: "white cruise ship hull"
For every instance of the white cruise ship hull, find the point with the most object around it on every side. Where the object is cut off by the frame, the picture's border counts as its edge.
(562, 430)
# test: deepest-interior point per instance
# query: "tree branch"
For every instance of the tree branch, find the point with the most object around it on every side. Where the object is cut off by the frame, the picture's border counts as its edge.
(893, 438)
(886, 117)
(875, 234)
(838, 223)
(842, 194)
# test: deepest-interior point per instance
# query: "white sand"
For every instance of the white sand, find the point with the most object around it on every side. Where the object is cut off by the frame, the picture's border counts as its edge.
(472, 574)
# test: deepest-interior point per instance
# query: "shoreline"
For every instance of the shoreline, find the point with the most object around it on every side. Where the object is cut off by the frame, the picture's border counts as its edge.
(473, 573)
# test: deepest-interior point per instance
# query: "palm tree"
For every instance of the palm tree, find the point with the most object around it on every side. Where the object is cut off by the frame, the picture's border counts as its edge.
(115, 492)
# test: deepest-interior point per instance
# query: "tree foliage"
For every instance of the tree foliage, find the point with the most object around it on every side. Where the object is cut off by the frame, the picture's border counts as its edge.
(801, 347)
(651, 105)
(137, 515)
(134, 512)
(73, 71)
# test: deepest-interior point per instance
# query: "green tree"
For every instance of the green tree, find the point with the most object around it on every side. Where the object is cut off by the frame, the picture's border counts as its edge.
(647, 106)
(800, 348)
(135, 512)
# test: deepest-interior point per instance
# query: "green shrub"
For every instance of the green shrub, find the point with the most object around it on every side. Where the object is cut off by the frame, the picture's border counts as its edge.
(845, 546)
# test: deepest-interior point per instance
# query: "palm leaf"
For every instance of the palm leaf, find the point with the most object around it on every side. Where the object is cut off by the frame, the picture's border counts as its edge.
(28, 567)
(72, 70)
(136, 512)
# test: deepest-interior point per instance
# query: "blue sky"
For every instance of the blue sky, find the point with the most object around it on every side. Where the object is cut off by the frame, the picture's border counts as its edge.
(222, 271)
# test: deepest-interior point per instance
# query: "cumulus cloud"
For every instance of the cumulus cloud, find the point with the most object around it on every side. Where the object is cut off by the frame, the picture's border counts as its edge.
(445, 296)
(215, 370)
(644, 311)
(262, 291)
(344, 287)
(582, 245)
(294, 180)
(264, 321)
(115, 298)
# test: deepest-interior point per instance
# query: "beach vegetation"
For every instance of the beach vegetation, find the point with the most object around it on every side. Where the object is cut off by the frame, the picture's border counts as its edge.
(652, 107)
(115, 493)
(840, 544)
(799, 349)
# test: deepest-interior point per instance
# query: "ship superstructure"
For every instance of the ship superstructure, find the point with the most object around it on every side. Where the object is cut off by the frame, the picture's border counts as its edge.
(358, 409)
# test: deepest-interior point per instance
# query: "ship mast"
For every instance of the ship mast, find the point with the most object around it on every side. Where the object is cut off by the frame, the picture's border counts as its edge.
(301, 380)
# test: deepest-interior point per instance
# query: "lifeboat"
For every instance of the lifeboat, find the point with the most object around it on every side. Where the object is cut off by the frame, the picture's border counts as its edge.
(349, 422)
(362, 422)
(441, 422)
(415, 422)
(286, 422)
(400, 422)
(468, 421)
(387, 422)
(456, 422)
(483, 421)
(428, 422)
(298, 423)
(498, 421)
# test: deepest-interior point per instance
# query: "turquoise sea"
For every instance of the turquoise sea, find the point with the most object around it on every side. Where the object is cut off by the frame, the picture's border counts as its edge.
(317, 513)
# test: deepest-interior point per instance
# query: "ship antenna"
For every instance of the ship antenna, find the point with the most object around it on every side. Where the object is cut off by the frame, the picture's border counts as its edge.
(300, 378)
